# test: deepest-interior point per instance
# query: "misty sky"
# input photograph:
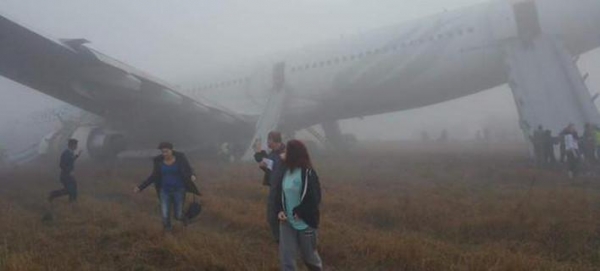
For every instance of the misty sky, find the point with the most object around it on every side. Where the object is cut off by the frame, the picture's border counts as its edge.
(176, 40)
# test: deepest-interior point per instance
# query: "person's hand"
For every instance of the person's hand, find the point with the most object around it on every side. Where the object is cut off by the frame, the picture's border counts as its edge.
(262, 165)
(257, 146)
(136, 190)
(281, 216)
(193, 178)
(296, 217)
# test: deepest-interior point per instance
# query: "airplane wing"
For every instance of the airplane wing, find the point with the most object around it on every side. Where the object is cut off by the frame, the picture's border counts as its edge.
(70, 71)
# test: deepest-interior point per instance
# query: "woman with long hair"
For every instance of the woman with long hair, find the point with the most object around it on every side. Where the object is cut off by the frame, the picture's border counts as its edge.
(298, 209)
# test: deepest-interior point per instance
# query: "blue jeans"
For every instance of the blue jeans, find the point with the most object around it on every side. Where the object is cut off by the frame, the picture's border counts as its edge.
(176, 197)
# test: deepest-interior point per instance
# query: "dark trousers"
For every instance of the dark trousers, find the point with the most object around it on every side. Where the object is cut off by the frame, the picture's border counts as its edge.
(272, 214)
(573, 161)
(69, 188)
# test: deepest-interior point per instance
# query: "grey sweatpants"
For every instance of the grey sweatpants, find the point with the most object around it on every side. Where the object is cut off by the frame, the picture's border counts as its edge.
(290, 240)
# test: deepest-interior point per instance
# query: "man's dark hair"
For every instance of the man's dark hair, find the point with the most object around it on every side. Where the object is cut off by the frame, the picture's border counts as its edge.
(165, 145)
(72, 142)
(275, 136)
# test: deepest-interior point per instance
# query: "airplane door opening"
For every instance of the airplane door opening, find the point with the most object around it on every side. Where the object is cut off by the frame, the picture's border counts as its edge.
(527, 19)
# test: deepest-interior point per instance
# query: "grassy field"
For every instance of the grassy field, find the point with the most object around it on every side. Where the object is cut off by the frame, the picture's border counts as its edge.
(400, 209)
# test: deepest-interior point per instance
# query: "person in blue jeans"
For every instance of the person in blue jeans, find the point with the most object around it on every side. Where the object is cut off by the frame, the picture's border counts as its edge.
(298, 209)
(172, 177)
(67, 165)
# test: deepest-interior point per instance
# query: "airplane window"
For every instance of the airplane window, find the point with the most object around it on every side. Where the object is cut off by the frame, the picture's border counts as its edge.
(395, 47)
(344, 59)
(369, 52)
(293, 69)
(361, 55)
(460, 32)
(440, 36)
(352, 57)
(328, 62)
(307, 67)
(336, 60)
(470, 30)
(314, 65)
(449, 35)
(431, 38)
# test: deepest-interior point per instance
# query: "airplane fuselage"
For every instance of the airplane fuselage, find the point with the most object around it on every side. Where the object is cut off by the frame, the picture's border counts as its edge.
(428, 61)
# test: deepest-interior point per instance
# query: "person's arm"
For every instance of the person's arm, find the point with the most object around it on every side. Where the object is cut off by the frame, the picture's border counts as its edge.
(151, 179)
(186, 163)
(259, 156)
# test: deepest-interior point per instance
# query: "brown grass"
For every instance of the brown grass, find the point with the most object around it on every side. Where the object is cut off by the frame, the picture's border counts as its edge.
(382, 210)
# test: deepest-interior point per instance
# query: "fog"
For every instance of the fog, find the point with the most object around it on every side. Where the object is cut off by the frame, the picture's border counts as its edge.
(177, 40)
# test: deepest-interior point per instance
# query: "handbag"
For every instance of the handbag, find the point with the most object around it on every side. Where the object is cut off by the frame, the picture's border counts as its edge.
(193, 210)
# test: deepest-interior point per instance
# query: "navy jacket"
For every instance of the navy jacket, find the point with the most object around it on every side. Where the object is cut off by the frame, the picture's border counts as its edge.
(185, 170)
(67, 161)
(310, 198)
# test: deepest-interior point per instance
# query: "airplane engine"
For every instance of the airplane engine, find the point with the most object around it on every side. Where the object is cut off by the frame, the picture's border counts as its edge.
(95, 142)
(99, 144)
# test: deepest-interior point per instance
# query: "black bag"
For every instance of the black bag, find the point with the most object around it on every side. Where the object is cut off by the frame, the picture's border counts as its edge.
(193, 210)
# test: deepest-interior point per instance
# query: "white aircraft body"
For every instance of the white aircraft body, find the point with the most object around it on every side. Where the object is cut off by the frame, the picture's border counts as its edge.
(528, 44)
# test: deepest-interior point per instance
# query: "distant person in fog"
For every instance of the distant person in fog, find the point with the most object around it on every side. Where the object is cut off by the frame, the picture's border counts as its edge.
(589, 144)
(538, 145)
(67, 165)
(299, 197)
(571, 142)
(172, 177)
(549, 148)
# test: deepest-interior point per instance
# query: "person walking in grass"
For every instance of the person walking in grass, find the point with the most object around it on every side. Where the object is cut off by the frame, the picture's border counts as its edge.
(272, 166)
(67, 165)
(298, 209)
(172, 177)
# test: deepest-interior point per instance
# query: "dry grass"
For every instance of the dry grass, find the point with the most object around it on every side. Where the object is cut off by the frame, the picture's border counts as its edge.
(382, 210)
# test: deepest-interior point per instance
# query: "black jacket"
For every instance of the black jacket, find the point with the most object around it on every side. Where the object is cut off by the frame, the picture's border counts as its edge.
(185, 170)
(310, 198)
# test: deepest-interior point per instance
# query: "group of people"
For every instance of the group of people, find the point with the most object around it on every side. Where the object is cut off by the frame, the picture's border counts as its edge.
(572, 147)
(292, 205)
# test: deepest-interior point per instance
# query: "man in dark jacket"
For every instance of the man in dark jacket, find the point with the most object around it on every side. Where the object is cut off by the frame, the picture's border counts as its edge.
(272, 165)
(172, 177)
(67, 165)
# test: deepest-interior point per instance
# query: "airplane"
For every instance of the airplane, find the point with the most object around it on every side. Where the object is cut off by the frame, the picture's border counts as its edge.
(531, 45)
